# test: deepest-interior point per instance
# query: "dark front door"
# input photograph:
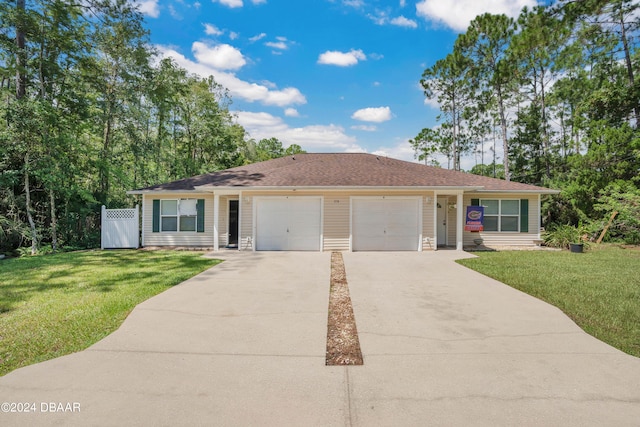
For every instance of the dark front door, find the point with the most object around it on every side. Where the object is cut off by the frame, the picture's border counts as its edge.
(233, 224)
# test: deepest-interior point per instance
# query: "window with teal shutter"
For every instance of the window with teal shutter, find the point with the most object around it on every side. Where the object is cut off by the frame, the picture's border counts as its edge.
(156, 216)
(200, 214)
(524, 215)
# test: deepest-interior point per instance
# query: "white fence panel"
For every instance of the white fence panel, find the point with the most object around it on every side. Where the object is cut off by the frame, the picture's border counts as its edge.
(120, 228)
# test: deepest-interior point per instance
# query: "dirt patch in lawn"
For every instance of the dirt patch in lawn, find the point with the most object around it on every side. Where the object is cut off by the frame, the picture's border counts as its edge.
(343, 346)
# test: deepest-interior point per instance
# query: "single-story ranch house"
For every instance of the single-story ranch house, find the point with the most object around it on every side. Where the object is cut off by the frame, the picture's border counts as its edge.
(337, 202)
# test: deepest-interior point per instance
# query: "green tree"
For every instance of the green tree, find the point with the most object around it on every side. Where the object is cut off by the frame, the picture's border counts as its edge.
(485, 45)
(448, 82)
(293, 149)
(118, 75)
(269, 148)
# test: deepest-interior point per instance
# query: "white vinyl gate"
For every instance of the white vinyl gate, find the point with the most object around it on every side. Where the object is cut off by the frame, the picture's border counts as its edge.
(120, 228)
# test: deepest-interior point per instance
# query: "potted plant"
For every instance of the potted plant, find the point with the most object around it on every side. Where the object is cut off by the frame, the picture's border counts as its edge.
(478, 241)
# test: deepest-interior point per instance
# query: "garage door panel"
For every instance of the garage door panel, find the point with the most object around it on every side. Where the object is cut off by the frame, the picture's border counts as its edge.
(385, 224)
(288, 224)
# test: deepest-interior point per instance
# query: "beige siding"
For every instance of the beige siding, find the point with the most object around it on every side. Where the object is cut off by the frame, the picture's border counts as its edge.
(428, 233)
(336, 215)
(451, 221)
(336, 227)
(246, 223)
(178, 238)
(336, 222)
(507, 239)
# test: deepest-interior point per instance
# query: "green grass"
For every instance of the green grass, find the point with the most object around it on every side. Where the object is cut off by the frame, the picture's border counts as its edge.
(58, 304)
(599, 289)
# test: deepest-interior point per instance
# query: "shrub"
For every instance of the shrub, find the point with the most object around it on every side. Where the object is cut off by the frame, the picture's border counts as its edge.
(561, 236)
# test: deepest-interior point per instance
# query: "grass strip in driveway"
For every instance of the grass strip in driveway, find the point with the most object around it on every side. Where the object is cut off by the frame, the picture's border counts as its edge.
(599, 289)
(343, 345)
(58, 304)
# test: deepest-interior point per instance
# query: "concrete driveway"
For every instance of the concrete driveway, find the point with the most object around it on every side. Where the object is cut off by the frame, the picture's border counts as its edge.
(244, 344)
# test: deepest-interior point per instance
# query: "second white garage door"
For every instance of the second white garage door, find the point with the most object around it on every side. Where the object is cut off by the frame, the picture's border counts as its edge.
(385, 224)
(288, 223)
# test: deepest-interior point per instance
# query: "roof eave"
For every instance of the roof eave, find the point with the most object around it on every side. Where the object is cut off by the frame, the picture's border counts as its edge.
(541, 191)
(210, 188)
(231, 189)
(160, 191)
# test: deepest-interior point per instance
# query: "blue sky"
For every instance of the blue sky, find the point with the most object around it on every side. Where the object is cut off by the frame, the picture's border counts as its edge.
(329, 75)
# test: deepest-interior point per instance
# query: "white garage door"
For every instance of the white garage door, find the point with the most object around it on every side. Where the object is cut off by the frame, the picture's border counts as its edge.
(288, 223)
(385, 224)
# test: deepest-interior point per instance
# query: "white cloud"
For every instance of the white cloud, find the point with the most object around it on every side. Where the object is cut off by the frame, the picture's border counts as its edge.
(291, 112)
(259, 1)
(149, 8)
(353, 3)
(230, 3)
(401, 151)
(281, 43)
(380, 18)
(403, 3)
(373, 114)
(457, 14)
(311, 138)
(251, 92)
(221, 57)
(212, 30)
(233, 35)
(401, 21)
(376, 84)
(257, 37)
(341, 59)
(366, 128)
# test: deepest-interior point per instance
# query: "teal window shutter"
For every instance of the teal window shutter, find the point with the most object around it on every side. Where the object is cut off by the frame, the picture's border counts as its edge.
(475, 202)
(156, 216)
(524, 215)
(200, 213)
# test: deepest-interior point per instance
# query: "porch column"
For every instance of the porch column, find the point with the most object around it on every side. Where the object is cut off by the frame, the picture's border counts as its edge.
(435, 220)
(216, 220)
(459, 223)
(539, 215)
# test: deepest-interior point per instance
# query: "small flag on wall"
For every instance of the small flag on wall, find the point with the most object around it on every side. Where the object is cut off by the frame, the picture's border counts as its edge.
(474, 219)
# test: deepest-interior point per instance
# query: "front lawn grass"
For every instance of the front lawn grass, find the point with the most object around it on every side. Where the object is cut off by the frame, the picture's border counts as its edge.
(599, 289)
(59, 304)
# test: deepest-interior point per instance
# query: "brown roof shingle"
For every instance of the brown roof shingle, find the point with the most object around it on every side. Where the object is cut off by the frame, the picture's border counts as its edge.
(340, 170)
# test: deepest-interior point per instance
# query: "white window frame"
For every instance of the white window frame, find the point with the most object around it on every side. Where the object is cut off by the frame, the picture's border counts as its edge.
(500, 215)
(177, 216)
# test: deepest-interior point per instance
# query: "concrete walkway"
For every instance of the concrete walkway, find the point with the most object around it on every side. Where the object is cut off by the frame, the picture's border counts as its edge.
(244, 344)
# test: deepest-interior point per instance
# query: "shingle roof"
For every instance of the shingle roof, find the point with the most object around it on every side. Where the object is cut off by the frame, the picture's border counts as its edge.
(340, 170)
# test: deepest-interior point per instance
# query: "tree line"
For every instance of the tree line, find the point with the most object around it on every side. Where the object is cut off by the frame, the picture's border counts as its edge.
(89, 110)
(557, 90)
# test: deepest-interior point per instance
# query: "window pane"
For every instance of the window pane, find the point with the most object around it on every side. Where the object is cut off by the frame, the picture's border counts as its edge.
(188, 207)
(509, 223)
(490, 207)
(490, 223)
(170, 223)
(510, 207)
(187, 223)
(169, 207)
